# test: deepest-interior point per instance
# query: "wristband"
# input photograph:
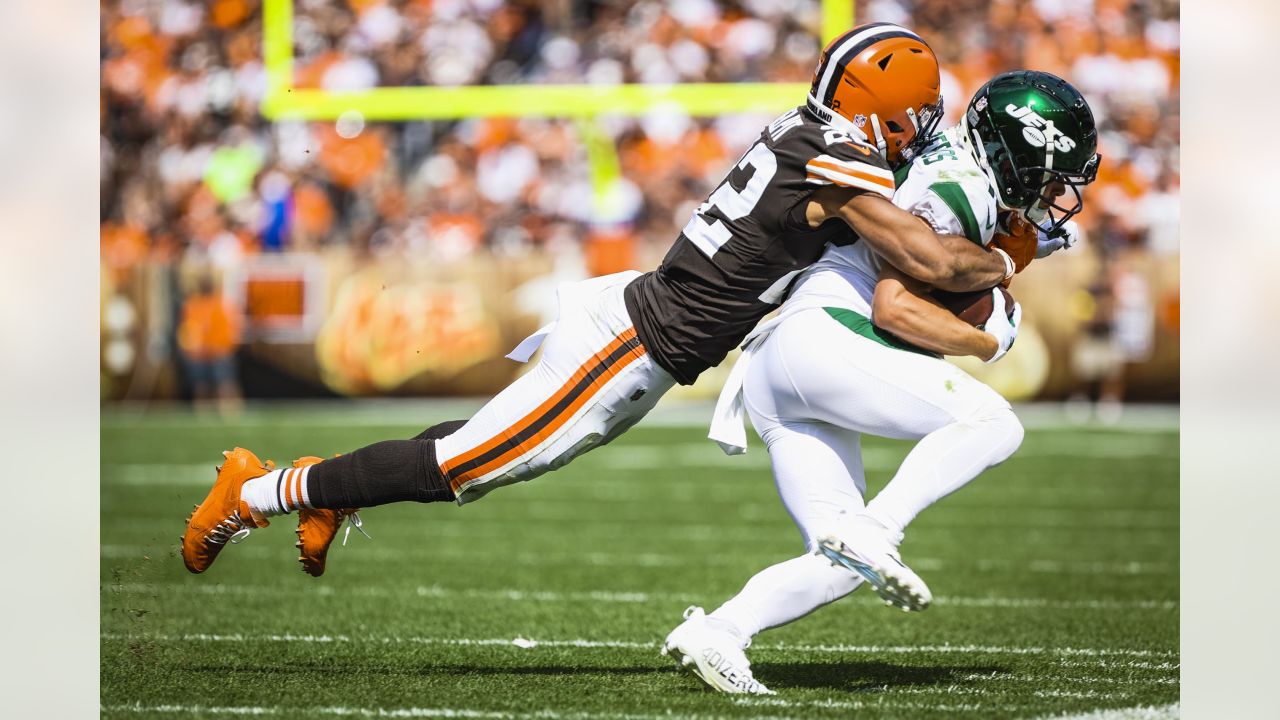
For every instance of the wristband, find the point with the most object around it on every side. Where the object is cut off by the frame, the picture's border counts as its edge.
(1009, 267)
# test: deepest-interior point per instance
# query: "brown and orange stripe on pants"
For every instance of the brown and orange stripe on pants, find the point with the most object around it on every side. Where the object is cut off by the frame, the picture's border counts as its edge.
(593, 382)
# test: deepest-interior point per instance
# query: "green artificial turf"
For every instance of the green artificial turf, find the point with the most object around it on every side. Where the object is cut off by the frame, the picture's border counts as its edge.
(1055, 577)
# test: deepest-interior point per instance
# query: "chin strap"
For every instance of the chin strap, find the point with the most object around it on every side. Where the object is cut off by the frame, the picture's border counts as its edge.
(874, 120)
(979, 151)
(846, 125)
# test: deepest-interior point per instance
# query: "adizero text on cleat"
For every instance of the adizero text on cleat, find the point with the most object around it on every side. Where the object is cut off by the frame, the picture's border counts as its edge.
(223, 517)
(876, 559)
(714, 655)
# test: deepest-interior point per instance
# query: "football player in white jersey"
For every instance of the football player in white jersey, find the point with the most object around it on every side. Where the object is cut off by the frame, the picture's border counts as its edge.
(1027, 139)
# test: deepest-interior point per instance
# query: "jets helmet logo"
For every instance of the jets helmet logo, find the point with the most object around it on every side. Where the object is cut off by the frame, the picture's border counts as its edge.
(1038, 131)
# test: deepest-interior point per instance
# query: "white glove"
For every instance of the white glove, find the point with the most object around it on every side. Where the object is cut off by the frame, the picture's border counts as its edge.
(1064, 237)
(1000, 326)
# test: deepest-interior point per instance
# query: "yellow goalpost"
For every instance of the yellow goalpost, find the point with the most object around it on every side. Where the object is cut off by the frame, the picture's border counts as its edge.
(452, 103)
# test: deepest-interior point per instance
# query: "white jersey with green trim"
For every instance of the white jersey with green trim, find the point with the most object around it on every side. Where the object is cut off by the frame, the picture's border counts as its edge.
(944, 186)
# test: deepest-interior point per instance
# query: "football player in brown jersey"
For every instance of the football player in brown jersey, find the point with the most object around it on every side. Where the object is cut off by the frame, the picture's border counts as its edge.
(819, 173)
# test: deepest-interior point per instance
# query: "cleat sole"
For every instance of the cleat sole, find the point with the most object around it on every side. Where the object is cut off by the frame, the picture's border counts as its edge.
(894, 590)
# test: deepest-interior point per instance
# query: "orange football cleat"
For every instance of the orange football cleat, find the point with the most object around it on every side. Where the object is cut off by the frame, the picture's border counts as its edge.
(317, 528)
(222, 517)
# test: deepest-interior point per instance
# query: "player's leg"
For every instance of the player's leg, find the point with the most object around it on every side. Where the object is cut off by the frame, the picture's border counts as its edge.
(317, 527)
(593, 381)
(964, 427)
(946, 459)
(818, 470)
(589, 387)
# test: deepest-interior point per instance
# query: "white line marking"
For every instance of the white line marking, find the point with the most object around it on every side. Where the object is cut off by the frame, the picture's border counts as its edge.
(1126, 664)
(1075, 694)
(144, 474)
(1050, 679)
(701, 454)
(404, 712)
(415, 414)
(884, 702)
(436, 591)
(1140, 712)
(986, 692)
(649, 559)
(600, 596)
(652, 645)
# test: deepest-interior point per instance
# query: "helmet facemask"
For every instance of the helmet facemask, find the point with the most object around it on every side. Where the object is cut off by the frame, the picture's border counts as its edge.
(1033, 188)
(1054, 137)
(926, 124)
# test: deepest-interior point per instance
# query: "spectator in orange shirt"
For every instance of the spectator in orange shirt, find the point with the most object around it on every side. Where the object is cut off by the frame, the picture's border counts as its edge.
(208, 334)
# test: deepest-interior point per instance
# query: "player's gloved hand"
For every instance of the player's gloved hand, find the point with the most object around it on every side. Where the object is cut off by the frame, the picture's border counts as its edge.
(1018, 238)
(1060, 239)
(1001, 326)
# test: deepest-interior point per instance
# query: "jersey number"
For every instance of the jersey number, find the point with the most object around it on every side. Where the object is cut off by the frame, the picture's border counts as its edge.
(945, 152)
(709, 234)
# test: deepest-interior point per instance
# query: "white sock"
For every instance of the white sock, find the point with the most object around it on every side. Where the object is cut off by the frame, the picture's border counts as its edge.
(278, 492)
(785, 592)
(942, 462)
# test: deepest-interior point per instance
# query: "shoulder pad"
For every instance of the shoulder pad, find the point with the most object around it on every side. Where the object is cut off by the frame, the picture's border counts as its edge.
(843, 160)
(969, 200)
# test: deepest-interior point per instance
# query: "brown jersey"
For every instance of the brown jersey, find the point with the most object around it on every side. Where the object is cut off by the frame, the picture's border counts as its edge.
(738, 255)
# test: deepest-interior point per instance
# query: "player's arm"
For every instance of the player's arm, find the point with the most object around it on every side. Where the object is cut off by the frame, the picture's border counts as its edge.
(901, 239)
(902, 306)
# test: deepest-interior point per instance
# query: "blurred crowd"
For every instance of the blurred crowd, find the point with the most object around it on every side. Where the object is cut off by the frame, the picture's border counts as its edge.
(191, 170)
(189, 166)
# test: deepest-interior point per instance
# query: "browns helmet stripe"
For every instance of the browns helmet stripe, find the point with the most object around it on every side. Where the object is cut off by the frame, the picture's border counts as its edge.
(847, 47)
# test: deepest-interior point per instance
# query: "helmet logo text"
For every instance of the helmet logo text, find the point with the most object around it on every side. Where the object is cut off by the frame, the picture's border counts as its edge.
(1038, 131)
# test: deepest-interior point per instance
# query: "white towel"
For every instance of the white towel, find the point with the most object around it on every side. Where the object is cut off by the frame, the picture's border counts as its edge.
(530, 345)
(728, 426)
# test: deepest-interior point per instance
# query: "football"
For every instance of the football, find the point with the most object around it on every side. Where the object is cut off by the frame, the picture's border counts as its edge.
(972, 307)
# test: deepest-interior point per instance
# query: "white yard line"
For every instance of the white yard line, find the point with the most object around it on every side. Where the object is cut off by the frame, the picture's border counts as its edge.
(528, 643)
(310, 711)
(403, 712)
(884, 702)
(670, 413)
(1078, 680)
(1140, 712)
(649, 559)
(956, 690)
(1126, 664)
(698, 454)
(597, 596)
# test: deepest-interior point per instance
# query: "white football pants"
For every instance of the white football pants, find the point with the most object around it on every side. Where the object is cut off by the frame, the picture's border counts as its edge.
(812, 389)
(593, 382)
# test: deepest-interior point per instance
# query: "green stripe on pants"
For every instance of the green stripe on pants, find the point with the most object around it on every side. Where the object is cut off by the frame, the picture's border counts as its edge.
(864, 327)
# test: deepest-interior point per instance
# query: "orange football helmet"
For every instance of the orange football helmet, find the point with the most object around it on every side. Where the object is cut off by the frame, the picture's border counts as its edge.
(882, 80)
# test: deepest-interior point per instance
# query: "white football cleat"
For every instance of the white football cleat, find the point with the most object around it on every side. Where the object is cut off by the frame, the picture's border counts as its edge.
(714, 655)
(864, 547)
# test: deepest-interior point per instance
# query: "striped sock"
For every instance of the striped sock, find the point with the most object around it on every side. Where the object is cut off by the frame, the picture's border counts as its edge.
(278, 492)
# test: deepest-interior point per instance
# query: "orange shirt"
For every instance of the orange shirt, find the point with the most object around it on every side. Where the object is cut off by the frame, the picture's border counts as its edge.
(351, 162)
(208, 329)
